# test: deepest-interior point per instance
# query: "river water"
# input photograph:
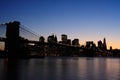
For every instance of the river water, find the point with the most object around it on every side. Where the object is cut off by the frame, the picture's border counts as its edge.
(57, 68)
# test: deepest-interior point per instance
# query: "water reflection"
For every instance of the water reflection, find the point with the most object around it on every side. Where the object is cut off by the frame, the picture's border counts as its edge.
(11, 69)
(60, 69)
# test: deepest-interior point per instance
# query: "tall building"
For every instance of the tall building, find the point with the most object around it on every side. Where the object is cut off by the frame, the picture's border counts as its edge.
(52, 39)
(100, 44)
(64, 37)
(68, 42)
(89, 44)
(75, 42)
(41, 39)
(104, 44)
(55, 38)
(110, 48)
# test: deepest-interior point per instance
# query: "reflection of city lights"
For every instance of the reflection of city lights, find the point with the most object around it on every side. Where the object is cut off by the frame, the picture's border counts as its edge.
(2, 45)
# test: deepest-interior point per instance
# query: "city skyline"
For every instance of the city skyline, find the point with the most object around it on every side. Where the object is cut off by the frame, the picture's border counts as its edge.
(87, 20)
(17, 45)
(65, 37)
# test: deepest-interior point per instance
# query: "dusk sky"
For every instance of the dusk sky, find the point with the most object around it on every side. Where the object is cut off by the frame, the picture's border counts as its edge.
(88, 20)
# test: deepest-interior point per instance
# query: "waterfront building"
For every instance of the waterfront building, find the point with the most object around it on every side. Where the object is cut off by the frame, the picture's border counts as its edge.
(41, 39)
(110, 48)
(68, 42)
(89, 44)
(52, 39)
(100, 44)
(64, 37)
(104, 44)
(75, 42)
(55, 39)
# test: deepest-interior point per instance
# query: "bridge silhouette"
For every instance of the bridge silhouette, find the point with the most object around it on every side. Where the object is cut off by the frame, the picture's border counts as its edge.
(21, 41)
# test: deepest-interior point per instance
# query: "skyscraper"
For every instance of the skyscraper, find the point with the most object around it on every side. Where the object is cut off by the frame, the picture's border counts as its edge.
(104, 44)
(64, 37)
(100, 44)
(41, 39)
(75, 42)
(52, 39)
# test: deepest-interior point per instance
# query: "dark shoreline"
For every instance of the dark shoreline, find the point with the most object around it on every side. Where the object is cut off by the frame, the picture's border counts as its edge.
(3, 54)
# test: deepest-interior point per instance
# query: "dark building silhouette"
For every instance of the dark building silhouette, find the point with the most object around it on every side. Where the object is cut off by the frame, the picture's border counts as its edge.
(110, 48)
(68, 42)
(55, 39)
(75, 42)
(89, 44)
(100, 44)
(42, 39)
(104, 44)
(90, 49)
(52, 39)
(64, 37)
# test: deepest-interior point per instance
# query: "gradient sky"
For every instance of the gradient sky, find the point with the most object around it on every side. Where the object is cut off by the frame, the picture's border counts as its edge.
(88, 20)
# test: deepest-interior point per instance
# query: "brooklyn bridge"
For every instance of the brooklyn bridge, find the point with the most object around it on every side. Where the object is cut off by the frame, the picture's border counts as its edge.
(20, 41)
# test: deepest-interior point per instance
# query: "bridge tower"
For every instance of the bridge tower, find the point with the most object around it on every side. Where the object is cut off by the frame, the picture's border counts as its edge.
(12, 38)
